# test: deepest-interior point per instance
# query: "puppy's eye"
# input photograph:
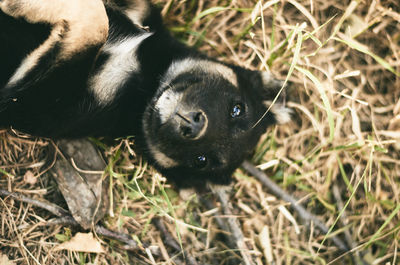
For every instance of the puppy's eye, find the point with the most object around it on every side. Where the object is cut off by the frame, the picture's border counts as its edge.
(237, 110)
(201, 161)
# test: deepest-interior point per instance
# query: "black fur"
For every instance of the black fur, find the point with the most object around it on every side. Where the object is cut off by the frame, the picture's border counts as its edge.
(54, 99)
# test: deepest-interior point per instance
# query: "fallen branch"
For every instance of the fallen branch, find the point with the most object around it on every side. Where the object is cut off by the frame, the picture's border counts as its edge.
(230, 242)
(233, 225)
(170, 241)
(54, 209)
(130, 244)
(305, 215)
(64, 218)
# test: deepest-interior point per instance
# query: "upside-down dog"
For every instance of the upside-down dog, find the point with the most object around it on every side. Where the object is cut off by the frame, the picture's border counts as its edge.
(82, 68)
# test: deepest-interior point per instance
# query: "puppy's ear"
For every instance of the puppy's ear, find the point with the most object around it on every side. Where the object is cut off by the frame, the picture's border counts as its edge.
(274, 95)
(271, 87)
(262, 83)
(265, 87)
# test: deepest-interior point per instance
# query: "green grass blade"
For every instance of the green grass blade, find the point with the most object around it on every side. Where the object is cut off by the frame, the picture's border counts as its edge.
(296, 56)
(344, 175)
(162, 211)
(172, 210)
(217, 9)
(352, 43)
(273, 30)
(4, 172)
(348, 201)
(387, 221)
(324, 98)
(209, 11)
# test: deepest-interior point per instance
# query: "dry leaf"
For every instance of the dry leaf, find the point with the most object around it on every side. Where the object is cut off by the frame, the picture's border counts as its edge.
(5, 261)
(81, 190)
(82, 242)
(30, 178)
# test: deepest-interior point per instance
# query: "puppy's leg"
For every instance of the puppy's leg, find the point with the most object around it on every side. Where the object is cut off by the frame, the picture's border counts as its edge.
(77, 25)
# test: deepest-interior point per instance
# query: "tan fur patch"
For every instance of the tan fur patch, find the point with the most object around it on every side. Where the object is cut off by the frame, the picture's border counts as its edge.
(87, 23)
(162, 158)
(205, 66)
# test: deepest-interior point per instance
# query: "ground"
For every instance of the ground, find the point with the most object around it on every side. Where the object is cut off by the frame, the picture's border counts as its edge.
(340, 155)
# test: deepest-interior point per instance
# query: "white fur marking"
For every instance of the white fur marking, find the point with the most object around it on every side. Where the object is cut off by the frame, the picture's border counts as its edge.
(30, 61)
(190, 64)
(282, 114)
(167, 104)
(26, 65)
(116, 71)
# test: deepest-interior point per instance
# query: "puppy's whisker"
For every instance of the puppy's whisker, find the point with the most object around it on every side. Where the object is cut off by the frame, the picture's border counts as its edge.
(262, 117)
(183, 117)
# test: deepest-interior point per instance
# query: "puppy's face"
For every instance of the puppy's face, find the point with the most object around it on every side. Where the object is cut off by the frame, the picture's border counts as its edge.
(205, 119)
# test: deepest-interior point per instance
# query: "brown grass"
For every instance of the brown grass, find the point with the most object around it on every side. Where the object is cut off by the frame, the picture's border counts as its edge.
(358, 169)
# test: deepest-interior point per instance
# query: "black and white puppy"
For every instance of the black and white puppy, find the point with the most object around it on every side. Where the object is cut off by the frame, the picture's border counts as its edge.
(86, 68)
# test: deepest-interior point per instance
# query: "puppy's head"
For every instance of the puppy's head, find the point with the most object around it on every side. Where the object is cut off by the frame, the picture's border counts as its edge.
(206, 118)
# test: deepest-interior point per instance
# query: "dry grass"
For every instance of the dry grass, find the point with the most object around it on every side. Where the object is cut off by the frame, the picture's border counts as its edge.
(340, 155)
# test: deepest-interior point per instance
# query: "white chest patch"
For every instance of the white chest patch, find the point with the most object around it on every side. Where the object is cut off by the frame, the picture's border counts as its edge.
(116, 71)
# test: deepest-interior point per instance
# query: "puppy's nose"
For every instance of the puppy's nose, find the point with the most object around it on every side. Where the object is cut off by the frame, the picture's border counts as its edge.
(193, 124)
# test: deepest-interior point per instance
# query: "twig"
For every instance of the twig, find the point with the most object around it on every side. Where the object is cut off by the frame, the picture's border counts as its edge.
(303, 213)
(130, 244)
(220, 221)
(170, 241)
(233, 225)
(54, 209)
(66, 219)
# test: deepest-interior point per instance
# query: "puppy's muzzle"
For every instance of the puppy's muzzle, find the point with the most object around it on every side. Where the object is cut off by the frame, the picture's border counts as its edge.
(192, 125)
